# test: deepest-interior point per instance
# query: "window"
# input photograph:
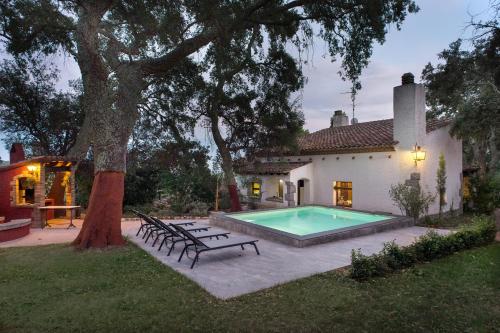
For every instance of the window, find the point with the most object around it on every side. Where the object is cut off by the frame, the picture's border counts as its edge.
(25, 190)
(280, 189)
(342, 193)
(255, 188)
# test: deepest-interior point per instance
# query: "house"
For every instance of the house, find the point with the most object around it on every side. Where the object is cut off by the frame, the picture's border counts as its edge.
(354, 166)
(28, 184)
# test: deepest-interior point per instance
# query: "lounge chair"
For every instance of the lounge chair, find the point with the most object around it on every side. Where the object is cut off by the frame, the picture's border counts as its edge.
(202, 245)
(177, 236)
(160, 229)
(148, 226)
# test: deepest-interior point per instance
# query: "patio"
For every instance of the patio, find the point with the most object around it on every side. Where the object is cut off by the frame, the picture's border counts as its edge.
(232, 272)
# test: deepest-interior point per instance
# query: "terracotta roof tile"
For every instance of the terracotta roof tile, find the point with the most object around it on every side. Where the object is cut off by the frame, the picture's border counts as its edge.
(369, 136)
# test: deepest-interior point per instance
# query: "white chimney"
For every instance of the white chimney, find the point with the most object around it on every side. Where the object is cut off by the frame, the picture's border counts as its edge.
(409, 113)
(339, 118)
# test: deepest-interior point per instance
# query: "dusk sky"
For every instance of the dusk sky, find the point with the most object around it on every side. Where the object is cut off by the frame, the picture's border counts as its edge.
(421, 38)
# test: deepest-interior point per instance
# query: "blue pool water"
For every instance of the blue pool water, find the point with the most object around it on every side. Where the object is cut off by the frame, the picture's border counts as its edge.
(308, 220)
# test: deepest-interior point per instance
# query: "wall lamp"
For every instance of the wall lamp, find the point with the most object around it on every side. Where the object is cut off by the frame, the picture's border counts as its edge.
(418, 154)
(33, 170)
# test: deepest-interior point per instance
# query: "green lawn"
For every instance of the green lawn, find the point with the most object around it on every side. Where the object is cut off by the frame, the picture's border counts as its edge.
(55, 289)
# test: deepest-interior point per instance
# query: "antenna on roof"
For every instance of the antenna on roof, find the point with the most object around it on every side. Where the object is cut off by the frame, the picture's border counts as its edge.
(352, 92)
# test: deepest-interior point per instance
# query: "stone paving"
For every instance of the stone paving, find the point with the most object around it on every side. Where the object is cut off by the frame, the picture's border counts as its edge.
(232, 272)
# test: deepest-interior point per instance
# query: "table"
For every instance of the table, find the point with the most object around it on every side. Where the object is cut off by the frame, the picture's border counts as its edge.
(71, 209)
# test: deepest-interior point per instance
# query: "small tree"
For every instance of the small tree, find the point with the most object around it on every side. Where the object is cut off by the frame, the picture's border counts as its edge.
(411, 200)
(441, 183)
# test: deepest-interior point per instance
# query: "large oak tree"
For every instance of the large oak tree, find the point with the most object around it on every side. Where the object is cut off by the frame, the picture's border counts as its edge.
(122, 47)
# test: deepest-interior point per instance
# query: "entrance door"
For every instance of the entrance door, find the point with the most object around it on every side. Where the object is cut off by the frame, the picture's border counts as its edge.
(300, 192)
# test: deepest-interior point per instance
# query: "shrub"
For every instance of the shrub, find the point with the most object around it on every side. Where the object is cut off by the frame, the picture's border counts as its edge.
(411, 200)
(482, 231)
(441, 183)
(485, 193)
(398, 257)
(428, 247)
(363, 267)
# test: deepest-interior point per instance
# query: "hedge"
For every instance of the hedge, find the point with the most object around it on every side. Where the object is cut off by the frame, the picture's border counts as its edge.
(426, 248)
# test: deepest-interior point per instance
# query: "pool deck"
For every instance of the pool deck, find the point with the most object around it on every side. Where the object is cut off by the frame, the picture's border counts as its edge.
(231, 272)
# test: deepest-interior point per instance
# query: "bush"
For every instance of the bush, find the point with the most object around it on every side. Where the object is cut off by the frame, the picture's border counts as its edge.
(485, 194)
(428, 247)
(398, 257)
(363, 266)
(411, 200)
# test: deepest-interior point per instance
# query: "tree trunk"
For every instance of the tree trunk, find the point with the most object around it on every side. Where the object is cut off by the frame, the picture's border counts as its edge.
(112, 131)
(102, 225)
(494, 153)
(227, 163)
(479, 149)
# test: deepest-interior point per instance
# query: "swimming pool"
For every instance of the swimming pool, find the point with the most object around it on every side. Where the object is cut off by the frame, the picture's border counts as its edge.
(309, 220)
(308, 225)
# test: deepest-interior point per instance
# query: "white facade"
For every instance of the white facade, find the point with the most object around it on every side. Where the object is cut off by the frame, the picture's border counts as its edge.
(373, 173)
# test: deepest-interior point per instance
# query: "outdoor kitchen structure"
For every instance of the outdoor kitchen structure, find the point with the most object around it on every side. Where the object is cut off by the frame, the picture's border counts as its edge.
(28, 185)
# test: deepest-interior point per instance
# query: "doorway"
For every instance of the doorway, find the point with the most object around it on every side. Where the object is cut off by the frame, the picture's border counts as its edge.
(303, 195)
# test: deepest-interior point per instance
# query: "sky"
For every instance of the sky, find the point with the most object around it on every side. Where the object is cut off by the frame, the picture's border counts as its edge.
(422, 36)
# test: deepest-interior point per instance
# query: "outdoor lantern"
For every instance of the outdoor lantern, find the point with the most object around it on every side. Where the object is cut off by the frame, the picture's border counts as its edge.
(33, 169)
(418, 154)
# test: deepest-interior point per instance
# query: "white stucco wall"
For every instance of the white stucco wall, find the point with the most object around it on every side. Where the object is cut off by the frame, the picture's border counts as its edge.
(305, 172)
(269, 187)
(372, 177)
(441, 141)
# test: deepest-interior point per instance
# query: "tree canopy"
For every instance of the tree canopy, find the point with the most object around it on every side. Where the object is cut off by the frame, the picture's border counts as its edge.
(32, 111)
(465, 86)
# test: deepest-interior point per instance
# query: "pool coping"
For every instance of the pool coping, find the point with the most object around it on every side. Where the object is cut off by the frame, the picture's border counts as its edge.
(223, 220)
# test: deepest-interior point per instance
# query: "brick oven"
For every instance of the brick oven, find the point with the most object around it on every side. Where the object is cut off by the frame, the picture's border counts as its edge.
(28, 184)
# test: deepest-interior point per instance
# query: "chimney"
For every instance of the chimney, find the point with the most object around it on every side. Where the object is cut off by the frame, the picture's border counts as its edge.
(409, 112)
(16, 153)
(339, 118)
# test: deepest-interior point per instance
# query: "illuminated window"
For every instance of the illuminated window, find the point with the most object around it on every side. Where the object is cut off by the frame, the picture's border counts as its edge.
(25, 190)
(342, 193)
(255, 187)
(280, 189)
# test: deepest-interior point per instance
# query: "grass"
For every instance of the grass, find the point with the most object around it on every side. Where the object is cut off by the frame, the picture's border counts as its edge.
(56, 289)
